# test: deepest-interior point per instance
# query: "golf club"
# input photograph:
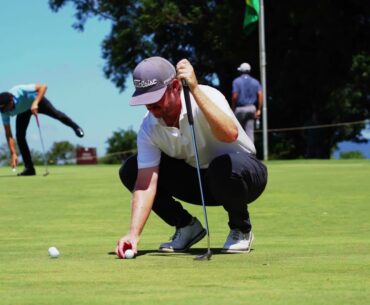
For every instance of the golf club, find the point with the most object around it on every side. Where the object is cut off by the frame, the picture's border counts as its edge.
(208, 254)
(42, 145)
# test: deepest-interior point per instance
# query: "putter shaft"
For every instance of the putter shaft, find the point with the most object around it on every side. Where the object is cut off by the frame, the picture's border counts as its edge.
(206, 256)
(201, 188)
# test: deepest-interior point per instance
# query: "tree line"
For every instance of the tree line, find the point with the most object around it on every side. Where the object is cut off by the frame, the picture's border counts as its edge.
(120, 145)
(318, 57)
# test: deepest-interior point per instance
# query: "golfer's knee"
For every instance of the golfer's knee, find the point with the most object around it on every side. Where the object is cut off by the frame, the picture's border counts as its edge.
(225, 185)
(217, 174)
(128, 173)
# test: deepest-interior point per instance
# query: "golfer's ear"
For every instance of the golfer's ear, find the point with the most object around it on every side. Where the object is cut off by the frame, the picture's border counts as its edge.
(176, 84)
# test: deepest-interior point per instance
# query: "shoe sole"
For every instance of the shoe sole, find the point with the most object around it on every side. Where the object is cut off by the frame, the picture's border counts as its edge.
(240, 251)
(187, 247)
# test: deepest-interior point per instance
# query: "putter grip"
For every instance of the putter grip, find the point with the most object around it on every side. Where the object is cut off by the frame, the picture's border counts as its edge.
(187, 101)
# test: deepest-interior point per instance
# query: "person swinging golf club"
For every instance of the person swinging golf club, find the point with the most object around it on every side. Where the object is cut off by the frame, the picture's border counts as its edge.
(165, 168)
(23, 101)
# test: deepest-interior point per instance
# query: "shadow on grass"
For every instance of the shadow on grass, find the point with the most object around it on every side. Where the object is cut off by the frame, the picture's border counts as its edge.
(190, 252)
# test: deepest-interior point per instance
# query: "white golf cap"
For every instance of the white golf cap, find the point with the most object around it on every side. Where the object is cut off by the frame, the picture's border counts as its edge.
(244, 67)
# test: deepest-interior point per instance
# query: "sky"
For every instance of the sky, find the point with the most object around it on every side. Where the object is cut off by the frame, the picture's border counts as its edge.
(40, 46)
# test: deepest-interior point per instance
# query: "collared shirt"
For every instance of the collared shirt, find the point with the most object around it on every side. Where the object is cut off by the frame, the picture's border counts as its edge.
(23, 96)
(246, 88)
(155, 137)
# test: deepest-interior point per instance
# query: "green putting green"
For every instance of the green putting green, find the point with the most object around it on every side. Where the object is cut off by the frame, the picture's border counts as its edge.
(311, 226)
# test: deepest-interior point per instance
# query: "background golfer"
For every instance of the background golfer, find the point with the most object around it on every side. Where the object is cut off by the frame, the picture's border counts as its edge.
(164, 168)
(23, 101)
(247, 99)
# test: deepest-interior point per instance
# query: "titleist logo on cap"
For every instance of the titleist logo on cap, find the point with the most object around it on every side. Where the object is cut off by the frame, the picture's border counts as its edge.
(144, 83)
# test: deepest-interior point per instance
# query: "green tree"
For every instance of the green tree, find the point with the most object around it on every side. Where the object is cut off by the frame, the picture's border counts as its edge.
(209, 33)
(318, 73)
(352, 155)
(37, 157)
(317, 56)
(62, 152)
(121, 145)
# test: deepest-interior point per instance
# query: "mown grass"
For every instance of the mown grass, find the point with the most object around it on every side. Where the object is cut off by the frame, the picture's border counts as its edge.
(312, 242)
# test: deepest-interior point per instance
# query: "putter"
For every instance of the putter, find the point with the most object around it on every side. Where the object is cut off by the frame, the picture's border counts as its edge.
(42, 145)
(208, 254)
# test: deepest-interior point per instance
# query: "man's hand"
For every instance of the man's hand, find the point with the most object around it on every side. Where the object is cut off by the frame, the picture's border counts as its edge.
(186, 71)
(35, 107)
(126, 242)
(258, 114)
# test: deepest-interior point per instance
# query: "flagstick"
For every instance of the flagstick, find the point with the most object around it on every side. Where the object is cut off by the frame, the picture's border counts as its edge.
(261, 32)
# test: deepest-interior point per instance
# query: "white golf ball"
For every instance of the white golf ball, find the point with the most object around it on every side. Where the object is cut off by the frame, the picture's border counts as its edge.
(129, 253)
(14, 169)
(53, 252)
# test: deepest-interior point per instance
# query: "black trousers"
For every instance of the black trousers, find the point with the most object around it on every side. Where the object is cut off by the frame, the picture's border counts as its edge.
(232, 181)
(23, 120)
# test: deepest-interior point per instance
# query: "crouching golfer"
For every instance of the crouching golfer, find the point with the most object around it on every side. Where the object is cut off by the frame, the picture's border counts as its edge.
(23, 101)
(164, 169)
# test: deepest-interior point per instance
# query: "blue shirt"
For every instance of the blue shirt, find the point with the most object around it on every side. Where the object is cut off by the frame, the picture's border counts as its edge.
(247, 88)
(23, 96)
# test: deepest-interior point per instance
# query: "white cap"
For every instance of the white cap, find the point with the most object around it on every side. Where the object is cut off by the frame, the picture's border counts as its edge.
(244, 67)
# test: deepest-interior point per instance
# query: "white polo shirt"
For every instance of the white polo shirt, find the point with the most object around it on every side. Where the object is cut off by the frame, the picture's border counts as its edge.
(155, 137)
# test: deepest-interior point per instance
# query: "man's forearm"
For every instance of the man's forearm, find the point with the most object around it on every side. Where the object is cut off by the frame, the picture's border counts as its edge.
(233, 101)
(260, 101)
(142, 202)
(41, 90)
(223, 127)
(143, 198)
(10, 139)
(11, 145)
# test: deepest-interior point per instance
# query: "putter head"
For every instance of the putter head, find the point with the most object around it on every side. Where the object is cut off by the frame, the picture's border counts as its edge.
(45, 174)
(204, 257)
